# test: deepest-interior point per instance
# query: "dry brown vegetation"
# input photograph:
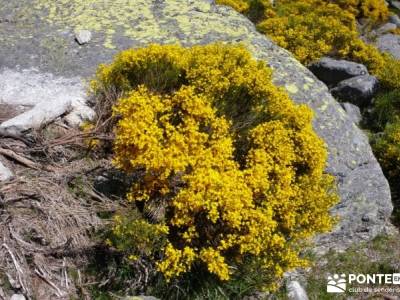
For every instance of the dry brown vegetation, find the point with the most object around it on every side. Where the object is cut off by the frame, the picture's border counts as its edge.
(49, 213)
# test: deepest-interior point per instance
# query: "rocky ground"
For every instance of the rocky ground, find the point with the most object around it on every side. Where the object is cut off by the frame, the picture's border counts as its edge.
(49, 50)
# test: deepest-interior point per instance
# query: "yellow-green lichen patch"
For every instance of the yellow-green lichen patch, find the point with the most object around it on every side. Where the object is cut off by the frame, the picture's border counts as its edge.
(140, 20)
(292, 88)
(324, 105)
(134, 18)
(195, 23)
(310, 80)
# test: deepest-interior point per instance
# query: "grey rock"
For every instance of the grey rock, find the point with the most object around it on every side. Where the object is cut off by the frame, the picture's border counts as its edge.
(395, 19)
(5, 173)
(389, 43)
(29, 87)
(47, 96)
(357, 90)
(83, 37)
(332, 71)
(17, 297)
(353, 112)
(386, 28)
(295, 291)
(40, 115)
(79, 113)
(361, 184)
(394, 4)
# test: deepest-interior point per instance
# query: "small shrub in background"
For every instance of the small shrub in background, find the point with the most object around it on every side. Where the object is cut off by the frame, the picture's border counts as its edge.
(311, 29)
(375, 10)
(386, 109)
(387, 150)
(229, 169)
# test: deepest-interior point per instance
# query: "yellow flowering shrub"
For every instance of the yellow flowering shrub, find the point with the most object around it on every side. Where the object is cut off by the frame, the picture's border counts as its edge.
(234, 164)
(311, 29)
(374, 10)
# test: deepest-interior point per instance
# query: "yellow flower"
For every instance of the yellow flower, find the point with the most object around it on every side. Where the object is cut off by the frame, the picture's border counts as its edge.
(235, 161)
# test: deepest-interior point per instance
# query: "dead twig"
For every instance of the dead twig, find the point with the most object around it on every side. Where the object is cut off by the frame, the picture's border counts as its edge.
(96, 196)
(21, 159)
(22, 242)
(65, 273)
(2, 295)
(43, 276)
(17, 266)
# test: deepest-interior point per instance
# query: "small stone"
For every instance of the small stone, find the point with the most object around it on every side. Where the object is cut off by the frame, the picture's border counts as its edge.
(80, 113)
(17, 297)
(357, 90)
(332, 71)
(5, 173)
(83, 36)
(296, 291)
(389, 43)
(395, 19)
(386, 28)
(395, 4)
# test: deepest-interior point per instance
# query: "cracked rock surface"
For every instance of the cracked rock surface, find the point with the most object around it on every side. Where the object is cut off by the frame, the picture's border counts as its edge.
(40, 34)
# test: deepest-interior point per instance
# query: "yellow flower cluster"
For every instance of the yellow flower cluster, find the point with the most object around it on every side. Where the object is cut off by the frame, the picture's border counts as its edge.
(235, 162)
(137, 237)
(176, 261)
(374, 10)
(311, 29)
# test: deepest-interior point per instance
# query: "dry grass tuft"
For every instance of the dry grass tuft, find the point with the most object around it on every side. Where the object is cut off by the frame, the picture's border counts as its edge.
(47, 224)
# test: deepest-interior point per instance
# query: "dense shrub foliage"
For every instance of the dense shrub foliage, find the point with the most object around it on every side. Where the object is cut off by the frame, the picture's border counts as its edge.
(311, 29)
(386, 109)
(228, 168)
(387, 150)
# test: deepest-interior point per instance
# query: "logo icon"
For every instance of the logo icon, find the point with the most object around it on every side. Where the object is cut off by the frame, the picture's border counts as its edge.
(336, 284)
